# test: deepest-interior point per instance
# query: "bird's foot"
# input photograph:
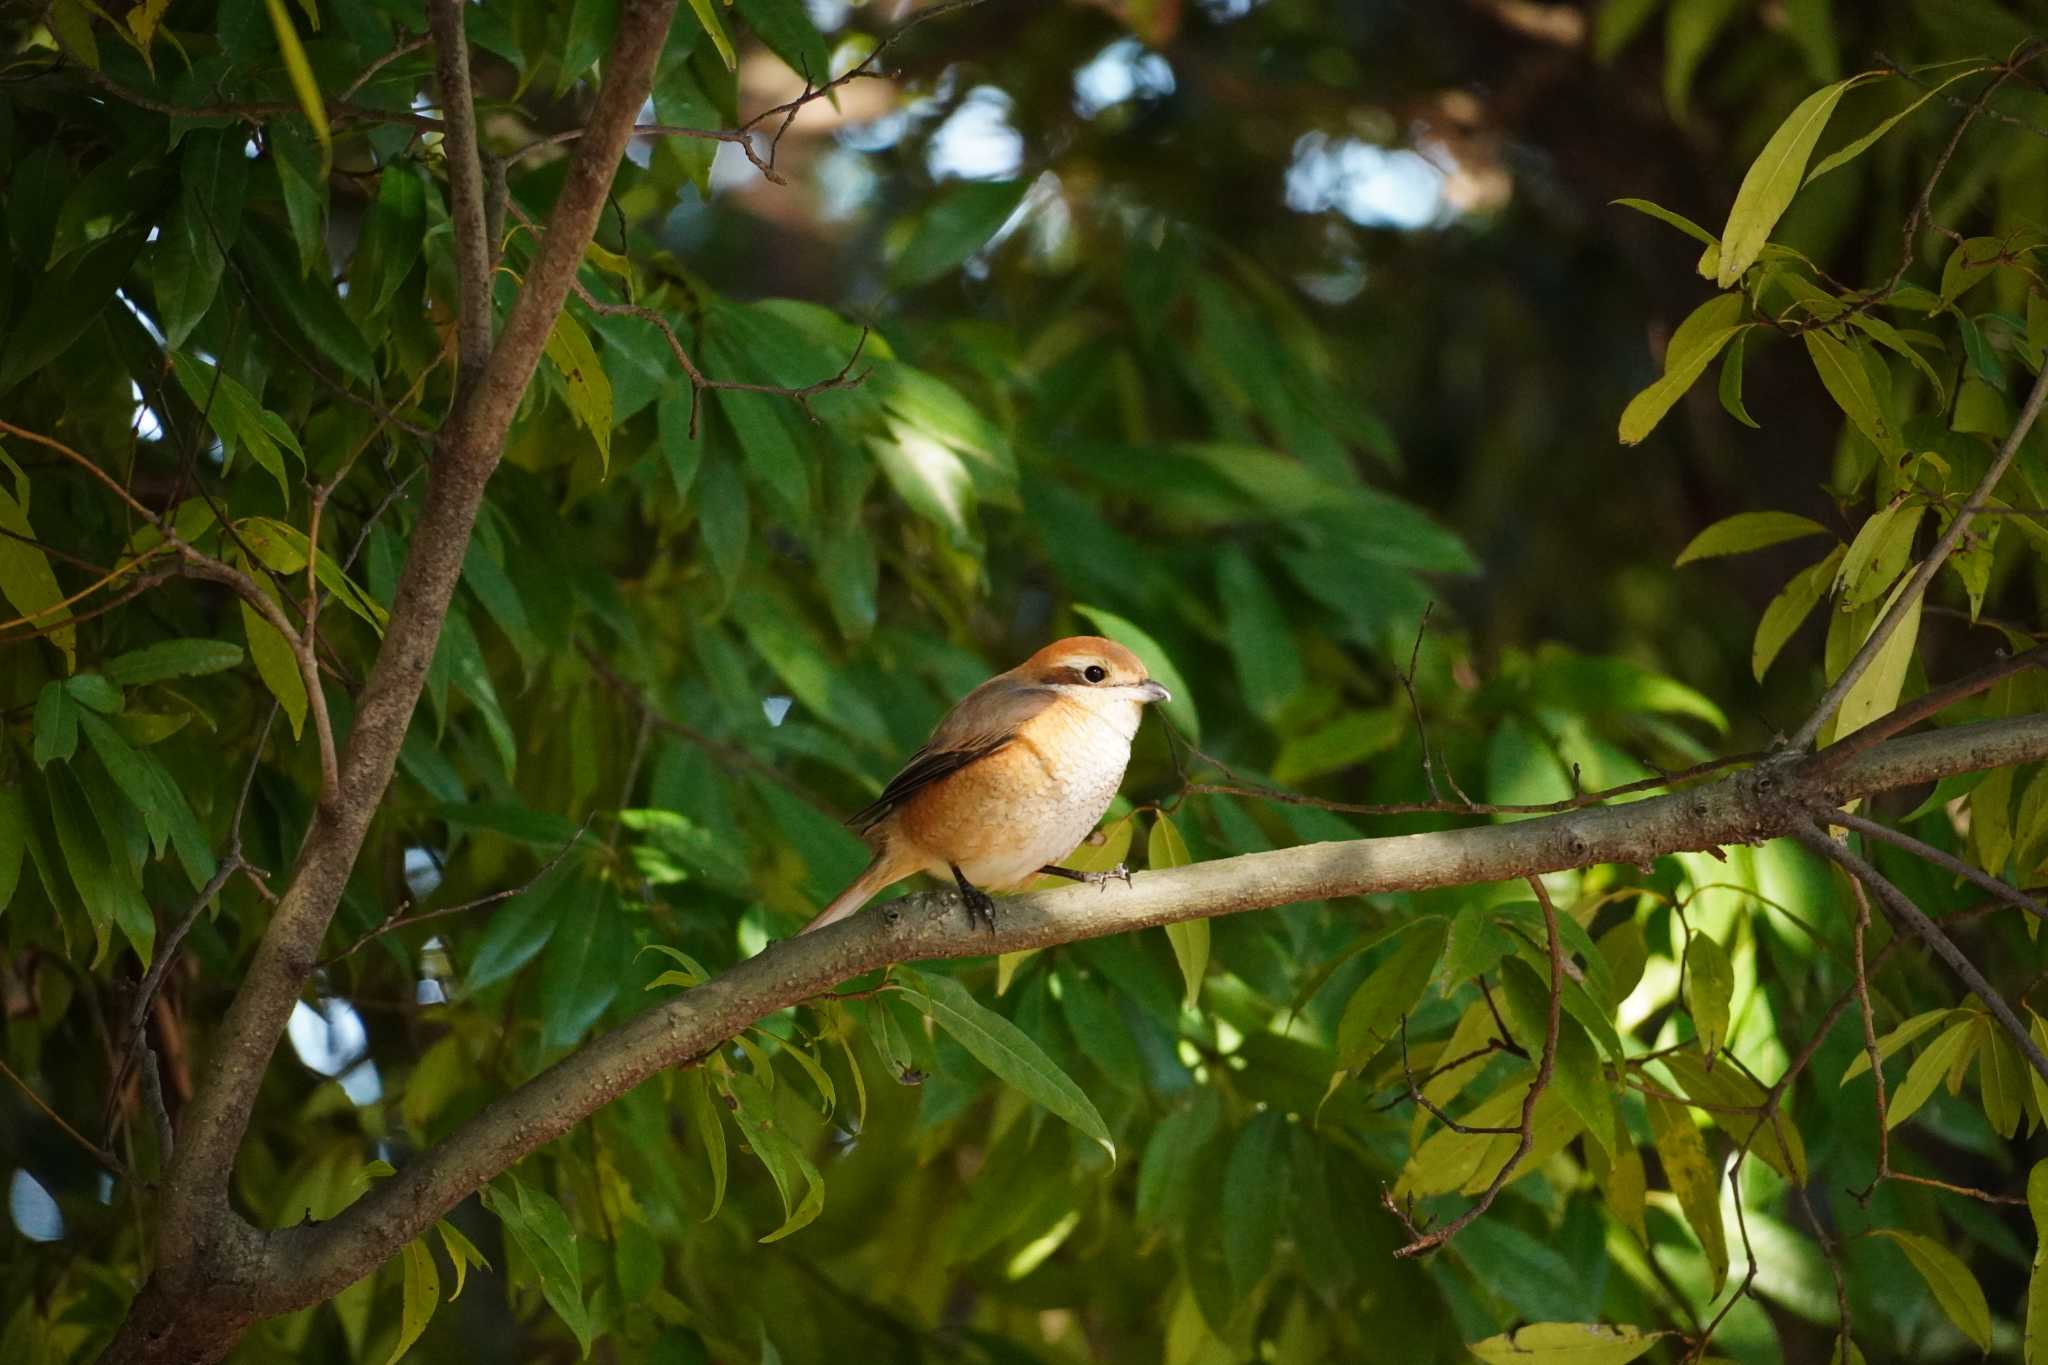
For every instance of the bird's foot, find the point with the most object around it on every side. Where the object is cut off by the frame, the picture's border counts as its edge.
(1115, 874)
(981, 907)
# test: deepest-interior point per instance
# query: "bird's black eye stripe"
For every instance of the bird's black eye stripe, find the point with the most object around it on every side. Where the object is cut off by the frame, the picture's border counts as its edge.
(1095, 673)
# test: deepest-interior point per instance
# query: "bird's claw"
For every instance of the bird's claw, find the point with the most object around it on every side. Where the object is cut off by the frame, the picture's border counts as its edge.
(981, 908)
(1118, 873)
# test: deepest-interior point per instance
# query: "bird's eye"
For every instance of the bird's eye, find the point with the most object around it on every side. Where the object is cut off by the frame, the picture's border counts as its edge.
(1095, 673)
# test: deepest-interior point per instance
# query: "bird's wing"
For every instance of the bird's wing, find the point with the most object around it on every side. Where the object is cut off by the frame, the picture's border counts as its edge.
(985, 721)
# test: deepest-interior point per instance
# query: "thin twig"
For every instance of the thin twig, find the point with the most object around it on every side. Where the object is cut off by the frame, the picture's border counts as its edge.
(100, 1154)
(1922, 708)
(1947, 862)
(1905, 914)
(1910, 597)
(398, 920)
(1421, 1242)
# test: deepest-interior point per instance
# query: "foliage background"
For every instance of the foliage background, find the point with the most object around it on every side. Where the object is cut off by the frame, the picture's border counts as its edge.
(1257, 327)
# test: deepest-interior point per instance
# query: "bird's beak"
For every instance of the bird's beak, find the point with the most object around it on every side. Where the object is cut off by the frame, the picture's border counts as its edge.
(1152, 691)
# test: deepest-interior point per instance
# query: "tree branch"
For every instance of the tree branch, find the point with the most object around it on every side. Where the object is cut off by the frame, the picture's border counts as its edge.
(1906, 915)
(203, 1247)
(1929, 567)
(465, 193)
(1746, 808)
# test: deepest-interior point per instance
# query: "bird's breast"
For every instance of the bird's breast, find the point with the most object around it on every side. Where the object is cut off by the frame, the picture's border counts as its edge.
(1030, 803)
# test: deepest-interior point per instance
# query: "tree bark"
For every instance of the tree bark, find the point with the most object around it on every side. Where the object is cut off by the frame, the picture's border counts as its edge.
(1762, 803)
(195, 1218)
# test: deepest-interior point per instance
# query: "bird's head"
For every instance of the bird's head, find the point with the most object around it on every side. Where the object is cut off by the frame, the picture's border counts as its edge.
(1092, 671)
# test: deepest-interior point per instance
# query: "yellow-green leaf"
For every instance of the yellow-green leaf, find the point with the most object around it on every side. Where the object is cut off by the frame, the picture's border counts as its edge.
(304, 85)
(1877, 690)
(462, 1254)
(1693, 1179)
(1566, 1343)
(1692, 348)
(422, 1296)
(707, 15)
(1840, 366)
(1746, 531)
(1165, 848)
(1789, 608)
(29, 584)
(1893, 1041)
(276, 664)
(583, 380)
(1773, 178)
(1928, 1069)
(2034, 1346)
(1955, 1288)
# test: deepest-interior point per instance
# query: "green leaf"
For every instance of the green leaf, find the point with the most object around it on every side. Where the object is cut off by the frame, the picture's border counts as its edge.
(1836, 160)
(1793, 604)
(310, 302)
(1181, 710)
(391, 238)
(1692, 348)
(172, 659)
(584, 384)
(1773, 178)
(29, 584)
(786, 28)
(1255, 1192)
(537, 1223)
(1878, 554)
(1190, 938)
(1709, 985)
(1928, 1068)
(1173, 1159)
(422, 1295)
(958, 221)
(276, 664)
(518, 929)
(55, 726)
(1746, 531)
(241, 423)
(1843, 374)
(303, 188)
(2034, 1347)
(304, 84)
(583, 969)
(1730, 388)
(707, 15)
(1566, 1343)
(94, 692)
(1955, 1288)
(1677, 220)
(703, 1113)
(1372, 1017)
(690, 973)
(1693, 1179)
(1269, 671)
(13, 840)
(536, 828)
(1008, 1051)
(2002, 1079)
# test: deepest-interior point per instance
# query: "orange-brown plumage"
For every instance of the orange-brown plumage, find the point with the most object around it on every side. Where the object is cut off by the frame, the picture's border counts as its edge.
(1012, 780)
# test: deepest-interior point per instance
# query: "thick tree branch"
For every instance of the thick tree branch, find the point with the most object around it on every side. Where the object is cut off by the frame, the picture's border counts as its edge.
(1746, 808)
(465, 193)
(203, 1246)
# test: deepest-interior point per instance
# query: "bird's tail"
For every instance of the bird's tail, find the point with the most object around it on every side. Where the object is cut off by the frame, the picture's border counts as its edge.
(879, 873)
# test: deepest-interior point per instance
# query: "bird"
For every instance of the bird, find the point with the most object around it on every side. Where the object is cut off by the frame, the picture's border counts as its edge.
(1011, 781)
